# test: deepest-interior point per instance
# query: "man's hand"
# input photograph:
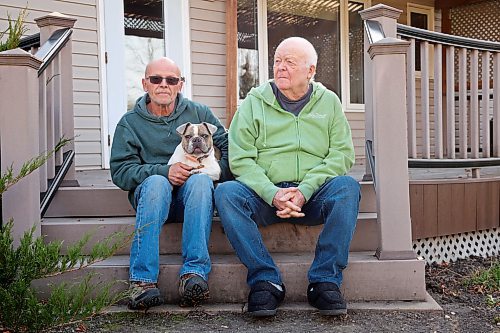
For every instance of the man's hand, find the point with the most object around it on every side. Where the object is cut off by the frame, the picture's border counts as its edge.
(179, 173)
(289, 202)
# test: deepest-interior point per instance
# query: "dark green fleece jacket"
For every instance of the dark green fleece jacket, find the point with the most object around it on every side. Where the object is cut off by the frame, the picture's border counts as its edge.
(143, 143)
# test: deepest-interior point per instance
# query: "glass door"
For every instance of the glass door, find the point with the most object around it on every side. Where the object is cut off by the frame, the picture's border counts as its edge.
(144, 41)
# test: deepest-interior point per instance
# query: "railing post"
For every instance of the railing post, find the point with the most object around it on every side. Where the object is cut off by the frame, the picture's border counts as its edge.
(19, 138)
(387, 17)
(48, 24)
(389, 129)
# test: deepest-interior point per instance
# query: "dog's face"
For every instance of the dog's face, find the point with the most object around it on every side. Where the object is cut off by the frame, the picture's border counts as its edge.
(196, 138)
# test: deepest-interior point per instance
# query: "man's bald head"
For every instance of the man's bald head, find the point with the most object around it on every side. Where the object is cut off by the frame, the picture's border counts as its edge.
(163, 62)
(304, 45)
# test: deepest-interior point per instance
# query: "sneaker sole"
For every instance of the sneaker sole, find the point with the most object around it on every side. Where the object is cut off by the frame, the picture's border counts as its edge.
(146, 303)
(262, 313)
(336, 312)
(194, 296)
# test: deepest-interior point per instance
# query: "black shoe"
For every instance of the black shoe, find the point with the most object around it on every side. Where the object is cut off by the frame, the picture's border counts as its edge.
(264, 298)
(193, 290)
(326, 297)
(143, 296)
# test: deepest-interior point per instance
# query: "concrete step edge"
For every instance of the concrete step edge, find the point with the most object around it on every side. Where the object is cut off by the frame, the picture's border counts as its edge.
(428, 305)
(125, 220)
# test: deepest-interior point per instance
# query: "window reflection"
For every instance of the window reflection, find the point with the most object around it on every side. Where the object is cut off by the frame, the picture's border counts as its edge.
(318, 22)
(144, 41)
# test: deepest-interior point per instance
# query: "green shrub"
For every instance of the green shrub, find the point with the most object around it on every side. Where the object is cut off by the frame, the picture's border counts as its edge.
(34, 261)
(14, 32)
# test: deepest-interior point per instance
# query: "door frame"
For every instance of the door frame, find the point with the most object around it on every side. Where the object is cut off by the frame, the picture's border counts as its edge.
(113, 97)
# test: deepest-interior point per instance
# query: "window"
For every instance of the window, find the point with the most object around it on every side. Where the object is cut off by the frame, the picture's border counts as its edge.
(421, 17)
(334, 27)
(144, 41)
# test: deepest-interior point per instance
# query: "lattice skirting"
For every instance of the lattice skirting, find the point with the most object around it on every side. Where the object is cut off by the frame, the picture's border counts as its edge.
(482, 243)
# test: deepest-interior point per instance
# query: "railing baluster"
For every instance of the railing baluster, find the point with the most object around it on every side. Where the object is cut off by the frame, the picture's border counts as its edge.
(410, 93)
(462, 101)
(50, 119)
(485, 112)
(424, 83)
(496, 104)
(474, 103)
(42, 102)
(474, 108)
(58, 109)
(438, 100)
(450, 99)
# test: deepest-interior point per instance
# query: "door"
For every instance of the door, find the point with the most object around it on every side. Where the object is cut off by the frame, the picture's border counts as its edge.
(136, 33)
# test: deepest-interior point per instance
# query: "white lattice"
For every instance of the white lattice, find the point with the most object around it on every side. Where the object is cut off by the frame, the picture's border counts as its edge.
(460, 246)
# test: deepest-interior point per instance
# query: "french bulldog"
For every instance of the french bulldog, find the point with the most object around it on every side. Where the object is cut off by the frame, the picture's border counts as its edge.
(197, 150)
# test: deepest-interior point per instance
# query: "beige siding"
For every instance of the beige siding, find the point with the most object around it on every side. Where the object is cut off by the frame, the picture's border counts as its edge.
(208, 54)
(85, 70)
(357, 123)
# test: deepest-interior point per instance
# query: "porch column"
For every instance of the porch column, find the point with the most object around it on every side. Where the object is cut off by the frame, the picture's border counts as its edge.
(387, 92)
(48, 24)
(387, 17)
(19, 138)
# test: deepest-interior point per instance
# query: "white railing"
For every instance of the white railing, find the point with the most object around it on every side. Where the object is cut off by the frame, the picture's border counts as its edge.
(36, 110)
(453, 100)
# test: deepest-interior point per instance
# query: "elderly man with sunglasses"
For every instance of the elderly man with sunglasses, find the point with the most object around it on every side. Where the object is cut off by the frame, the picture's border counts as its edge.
(144, 140)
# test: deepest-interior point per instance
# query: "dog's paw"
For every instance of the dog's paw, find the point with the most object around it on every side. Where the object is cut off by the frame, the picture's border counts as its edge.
(195, 171)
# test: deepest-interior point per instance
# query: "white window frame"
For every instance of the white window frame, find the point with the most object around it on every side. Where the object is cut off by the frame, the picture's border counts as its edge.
(344, 50)
(113, 97)
(429, 12)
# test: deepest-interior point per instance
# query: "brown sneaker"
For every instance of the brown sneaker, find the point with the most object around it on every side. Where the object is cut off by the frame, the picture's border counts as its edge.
(193, 290)
(144, 295)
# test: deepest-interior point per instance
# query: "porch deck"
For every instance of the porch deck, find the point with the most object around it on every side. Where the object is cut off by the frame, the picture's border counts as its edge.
(102, 178)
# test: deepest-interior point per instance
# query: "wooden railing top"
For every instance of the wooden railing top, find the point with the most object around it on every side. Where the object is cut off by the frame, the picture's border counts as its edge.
(48, 51)
(438, 37)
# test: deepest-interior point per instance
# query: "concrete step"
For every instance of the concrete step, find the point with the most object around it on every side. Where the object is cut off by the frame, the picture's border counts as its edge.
(100, 201)
(365, 279)
(282, 237)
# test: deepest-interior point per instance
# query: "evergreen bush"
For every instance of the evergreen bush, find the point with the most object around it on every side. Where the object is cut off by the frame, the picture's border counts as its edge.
(34, 261)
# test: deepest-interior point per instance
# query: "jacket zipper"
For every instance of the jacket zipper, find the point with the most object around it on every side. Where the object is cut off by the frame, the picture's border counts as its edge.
(297, 131)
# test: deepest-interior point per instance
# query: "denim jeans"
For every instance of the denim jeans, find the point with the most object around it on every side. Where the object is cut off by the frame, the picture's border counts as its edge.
(335, 204)
(156, 200)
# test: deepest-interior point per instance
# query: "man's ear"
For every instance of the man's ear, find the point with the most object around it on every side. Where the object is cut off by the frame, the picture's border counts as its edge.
(182, 129)
(311, 72)
(210, 127)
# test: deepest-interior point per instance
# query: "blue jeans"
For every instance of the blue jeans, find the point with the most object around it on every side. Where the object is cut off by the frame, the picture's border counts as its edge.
(156, 200)
(335, 204)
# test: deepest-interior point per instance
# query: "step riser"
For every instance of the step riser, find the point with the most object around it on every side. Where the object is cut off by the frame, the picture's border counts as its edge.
(363, 280)
(111, 201)
(283, 237)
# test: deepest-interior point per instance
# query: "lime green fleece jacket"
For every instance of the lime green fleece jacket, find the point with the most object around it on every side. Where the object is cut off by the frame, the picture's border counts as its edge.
(268, 145)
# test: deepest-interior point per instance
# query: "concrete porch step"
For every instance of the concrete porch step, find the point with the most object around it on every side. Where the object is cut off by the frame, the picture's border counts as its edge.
(282, 237)
(101, 201)
(366, 278)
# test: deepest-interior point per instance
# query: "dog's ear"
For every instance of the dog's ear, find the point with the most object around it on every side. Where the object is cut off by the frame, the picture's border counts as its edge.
(182, 129)
(211, 128)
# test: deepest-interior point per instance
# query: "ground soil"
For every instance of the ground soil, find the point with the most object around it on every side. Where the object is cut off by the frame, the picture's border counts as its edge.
(464, 310)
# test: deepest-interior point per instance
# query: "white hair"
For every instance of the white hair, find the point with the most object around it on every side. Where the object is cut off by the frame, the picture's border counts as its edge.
(312, 55)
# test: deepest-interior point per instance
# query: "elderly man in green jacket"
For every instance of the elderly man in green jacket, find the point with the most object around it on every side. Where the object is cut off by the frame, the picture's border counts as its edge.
(290, 148)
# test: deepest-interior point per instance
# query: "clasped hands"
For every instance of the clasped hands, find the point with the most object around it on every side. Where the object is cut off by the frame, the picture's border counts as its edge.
(288, 202)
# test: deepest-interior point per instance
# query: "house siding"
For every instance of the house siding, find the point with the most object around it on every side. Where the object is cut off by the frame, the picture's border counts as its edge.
(208, 54)
(85, 68)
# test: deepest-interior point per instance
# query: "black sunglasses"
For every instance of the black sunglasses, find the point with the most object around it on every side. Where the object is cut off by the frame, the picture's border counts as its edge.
(171, 80)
